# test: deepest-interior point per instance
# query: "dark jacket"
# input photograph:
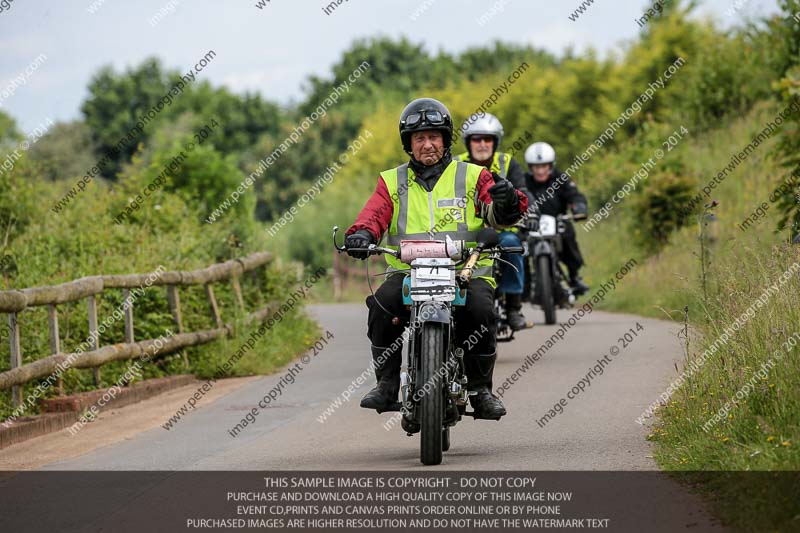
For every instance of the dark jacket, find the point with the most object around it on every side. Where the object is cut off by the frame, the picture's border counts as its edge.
(554, 196)
(515, 174)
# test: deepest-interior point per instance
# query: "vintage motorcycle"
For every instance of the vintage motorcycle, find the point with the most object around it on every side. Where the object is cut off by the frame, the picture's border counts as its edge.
(433, 386)
(547, 286)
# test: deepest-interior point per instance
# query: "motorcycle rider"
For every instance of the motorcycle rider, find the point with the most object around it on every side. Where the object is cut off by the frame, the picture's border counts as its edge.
(553, 193)
(482, 137)
(433, 193)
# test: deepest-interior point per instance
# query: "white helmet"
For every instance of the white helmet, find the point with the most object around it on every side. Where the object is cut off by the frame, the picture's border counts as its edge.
(540, 154)
(488, 125)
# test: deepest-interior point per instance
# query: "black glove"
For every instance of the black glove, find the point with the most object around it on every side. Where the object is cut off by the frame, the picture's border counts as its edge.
(504, 196)
(580, 211)
(360, 239)
(532, 220)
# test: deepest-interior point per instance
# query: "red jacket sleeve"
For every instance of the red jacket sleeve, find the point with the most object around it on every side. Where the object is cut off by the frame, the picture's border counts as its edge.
(482, 196)
(376, 215)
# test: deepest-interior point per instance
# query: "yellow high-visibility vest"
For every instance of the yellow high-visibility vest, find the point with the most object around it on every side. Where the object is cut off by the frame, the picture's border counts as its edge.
(448, 209)
(500, 162)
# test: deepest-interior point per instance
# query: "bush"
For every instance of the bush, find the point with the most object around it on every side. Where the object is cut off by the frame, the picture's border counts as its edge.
(658, 211)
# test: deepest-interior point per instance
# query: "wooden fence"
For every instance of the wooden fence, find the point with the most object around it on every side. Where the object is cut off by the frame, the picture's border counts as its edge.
(16, 301)
(349, 272)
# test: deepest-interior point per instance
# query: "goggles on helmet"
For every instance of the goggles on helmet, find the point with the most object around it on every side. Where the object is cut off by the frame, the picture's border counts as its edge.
(432, 117)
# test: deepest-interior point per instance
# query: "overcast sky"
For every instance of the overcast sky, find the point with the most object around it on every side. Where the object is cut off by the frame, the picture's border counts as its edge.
(274, 49)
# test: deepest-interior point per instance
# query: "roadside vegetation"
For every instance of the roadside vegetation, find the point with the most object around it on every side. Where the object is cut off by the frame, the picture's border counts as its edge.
(696, 263)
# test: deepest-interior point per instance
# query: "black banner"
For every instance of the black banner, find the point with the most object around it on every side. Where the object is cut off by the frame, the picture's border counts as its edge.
(355, 501)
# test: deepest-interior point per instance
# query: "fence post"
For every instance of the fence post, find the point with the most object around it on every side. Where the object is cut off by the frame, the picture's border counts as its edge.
(94, 336)
(55, 340)
(127, 305)
(174, 299)
(16, 356)
(237, 290)
(212, 304)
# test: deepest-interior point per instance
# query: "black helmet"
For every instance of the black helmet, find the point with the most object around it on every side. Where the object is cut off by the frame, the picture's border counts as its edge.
(425, 114)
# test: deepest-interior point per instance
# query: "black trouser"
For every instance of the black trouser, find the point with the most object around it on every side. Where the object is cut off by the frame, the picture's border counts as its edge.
(570, 253)
(478, 312)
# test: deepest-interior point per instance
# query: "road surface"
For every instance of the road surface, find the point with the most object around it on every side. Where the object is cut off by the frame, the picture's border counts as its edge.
(596, 431)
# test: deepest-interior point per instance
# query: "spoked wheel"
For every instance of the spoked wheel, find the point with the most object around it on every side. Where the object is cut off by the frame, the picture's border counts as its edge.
(504, 331)
(505, 334)
(545, 278)
(445, 439)
(431, 403)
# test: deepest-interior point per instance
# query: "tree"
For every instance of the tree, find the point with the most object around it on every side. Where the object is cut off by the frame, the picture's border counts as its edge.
(9, 134)
(243, 119)
(474, 63)
(787, 29)
(115, 104)
(117, 101)
(395, 67)
(66, 151)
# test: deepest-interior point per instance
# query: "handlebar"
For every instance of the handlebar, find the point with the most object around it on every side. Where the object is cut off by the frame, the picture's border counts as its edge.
(472, 255)
(574, 216)
(372, 249)
(466, 273)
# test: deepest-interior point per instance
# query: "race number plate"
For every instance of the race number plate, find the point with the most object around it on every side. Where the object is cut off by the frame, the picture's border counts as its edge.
(433, 279)
(547, 226)
(434, 274)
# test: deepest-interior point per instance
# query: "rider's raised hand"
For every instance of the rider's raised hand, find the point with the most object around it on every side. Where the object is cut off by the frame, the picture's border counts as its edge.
(532, 219)
(359, 239)
(504, 195)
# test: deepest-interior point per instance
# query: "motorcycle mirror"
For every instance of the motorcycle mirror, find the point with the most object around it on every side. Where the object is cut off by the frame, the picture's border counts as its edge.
(487, 238)
(338, 248)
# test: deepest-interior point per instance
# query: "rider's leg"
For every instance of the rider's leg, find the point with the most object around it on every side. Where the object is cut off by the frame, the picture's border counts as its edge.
(572, 258)
(480, 368)
(476, 319)
(512, 281)
(386, 339)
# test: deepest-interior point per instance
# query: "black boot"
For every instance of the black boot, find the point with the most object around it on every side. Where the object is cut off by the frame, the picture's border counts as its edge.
(479, 368)
(514, 312)
(409, 426)
(387, 371)
(578, 286)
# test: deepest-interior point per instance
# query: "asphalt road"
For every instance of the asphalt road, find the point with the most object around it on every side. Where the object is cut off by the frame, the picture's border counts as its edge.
(596, 431)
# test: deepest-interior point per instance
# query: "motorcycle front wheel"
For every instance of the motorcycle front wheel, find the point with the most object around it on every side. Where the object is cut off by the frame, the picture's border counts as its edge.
(431, 403)
(545, 280)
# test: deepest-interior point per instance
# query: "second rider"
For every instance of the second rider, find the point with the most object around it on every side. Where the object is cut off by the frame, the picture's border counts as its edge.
(482, 137)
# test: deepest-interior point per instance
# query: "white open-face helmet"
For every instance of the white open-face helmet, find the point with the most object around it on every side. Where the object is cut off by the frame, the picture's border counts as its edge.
(540, 154)
(487, 125)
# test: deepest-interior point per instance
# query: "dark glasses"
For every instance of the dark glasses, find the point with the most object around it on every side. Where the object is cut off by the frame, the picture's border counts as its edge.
(434, 118)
